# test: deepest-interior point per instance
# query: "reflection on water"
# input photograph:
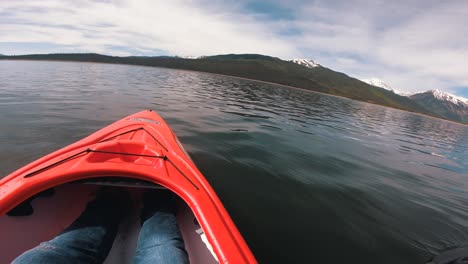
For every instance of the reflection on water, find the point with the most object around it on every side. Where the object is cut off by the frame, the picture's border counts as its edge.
(306, 177)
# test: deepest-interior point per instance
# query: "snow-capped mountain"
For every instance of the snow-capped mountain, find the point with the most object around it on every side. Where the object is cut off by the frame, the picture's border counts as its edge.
(445, 104)
(449, 97)
(306, 62)
(379, 83)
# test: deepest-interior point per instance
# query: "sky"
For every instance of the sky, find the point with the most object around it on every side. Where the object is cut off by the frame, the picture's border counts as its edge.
(411, 45)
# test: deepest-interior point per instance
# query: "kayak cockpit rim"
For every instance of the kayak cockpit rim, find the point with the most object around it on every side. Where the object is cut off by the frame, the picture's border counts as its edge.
(199, 249)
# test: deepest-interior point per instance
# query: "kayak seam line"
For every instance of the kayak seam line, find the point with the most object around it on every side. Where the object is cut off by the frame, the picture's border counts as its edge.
(183, 174)
(121, 134)
(155, 139)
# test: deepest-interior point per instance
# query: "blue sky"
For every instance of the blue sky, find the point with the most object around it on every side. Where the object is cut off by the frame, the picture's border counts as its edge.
(411, 45)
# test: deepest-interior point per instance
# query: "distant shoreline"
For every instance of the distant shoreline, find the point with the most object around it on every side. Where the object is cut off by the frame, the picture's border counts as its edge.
(342, 97)
(6, 58)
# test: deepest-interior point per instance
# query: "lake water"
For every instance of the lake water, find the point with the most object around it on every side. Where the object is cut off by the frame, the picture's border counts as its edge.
(308, 178)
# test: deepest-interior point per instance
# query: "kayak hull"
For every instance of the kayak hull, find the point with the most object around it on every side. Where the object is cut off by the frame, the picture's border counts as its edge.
(142, 147)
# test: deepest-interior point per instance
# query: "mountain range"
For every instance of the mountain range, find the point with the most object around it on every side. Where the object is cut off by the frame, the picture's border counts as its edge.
(300, 73)
(444, 104)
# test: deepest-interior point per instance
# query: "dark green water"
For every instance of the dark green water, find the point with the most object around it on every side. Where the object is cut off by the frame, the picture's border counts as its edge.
(307, 178)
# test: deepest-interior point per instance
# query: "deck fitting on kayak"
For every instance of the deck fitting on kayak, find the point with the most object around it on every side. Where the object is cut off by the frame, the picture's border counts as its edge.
(88, 150)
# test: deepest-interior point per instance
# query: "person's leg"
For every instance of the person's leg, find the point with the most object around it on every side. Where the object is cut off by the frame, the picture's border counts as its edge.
(160, 240)
(87, 240)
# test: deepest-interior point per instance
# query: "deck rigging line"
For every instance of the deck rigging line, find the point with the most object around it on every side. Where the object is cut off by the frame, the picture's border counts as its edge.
(88, 150)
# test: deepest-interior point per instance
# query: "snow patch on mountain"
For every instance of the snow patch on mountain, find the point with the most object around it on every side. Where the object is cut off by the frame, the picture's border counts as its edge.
(449, 97)
(190, 57)
(306, 62)
(379, 83)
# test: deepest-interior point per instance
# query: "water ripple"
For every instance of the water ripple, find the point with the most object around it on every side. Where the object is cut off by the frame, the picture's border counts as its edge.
(375, 184)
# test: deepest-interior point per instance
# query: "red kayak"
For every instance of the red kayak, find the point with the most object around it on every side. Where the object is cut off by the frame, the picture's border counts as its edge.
(139, 151)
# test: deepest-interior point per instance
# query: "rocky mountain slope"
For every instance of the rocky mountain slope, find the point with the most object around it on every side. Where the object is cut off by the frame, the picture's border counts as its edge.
(444, 104)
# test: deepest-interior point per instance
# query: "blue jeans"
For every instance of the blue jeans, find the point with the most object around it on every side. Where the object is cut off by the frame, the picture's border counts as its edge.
(90, 237)
(160, 241)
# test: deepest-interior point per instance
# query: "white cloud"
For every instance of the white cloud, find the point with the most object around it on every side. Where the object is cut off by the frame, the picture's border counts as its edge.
(177, 27)
(432, 45)
(411, 45)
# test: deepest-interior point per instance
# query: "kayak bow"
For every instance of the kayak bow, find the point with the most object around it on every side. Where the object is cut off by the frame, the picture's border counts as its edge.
(141, 147)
